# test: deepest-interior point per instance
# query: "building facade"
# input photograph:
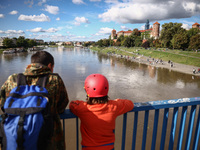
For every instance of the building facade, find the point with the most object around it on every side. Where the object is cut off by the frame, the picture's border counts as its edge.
(154, 32)
(196, 25)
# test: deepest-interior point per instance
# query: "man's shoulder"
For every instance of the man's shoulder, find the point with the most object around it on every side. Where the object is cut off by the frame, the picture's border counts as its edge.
(12, 78)
(54, 77)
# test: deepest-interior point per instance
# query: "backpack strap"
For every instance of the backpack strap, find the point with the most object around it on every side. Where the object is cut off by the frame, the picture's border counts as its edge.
(42, 80)
(21, 79)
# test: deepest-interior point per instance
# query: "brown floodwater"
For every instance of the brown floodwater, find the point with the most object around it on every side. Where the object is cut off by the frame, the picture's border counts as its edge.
(127, 79)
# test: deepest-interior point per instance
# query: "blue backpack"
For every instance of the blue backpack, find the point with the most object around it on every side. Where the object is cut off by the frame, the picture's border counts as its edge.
(27, 123)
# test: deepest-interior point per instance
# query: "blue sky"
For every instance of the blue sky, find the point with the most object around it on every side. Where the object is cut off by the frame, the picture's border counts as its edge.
(89, 20)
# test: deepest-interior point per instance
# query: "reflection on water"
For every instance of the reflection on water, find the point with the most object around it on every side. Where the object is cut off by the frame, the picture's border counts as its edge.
(127, 79)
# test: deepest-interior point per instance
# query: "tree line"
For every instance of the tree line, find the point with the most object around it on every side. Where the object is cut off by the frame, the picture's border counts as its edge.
(21, 41)
(172, 36)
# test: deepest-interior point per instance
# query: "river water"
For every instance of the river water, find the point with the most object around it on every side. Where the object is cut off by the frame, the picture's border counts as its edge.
(128, 80)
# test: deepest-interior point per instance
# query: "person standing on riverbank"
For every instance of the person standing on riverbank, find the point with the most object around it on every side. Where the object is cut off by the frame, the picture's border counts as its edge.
(98, 114)
(42, 63)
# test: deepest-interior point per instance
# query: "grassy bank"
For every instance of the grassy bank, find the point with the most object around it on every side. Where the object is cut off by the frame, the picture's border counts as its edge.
(177, 56)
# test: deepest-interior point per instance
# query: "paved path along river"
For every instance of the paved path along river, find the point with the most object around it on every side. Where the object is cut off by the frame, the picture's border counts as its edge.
(188, 69)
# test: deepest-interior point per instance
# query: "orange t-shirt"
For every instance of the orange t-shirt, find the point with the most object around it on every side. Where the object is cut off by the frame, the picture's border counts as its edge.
(98, 122)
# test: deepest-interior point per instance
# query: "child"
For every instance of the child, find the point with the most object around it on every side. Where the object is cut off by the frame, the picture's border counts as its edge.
(98, 114)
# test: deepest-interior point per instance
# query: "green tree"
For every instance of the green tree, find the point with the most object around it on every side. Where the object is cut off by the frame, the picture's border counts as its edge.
(22, 42)
(138, 41)
(106, 42)
(146, 44)
(111, 42)
(136, 32)
(52, 43)
(100, 43)
(8, 43)
(117, 43)
(151, 40)
(192, 32)
(31, 43)
(195, 42)
(146, 35)
(121, 38)
(168, 31)
(86, 44)
(180, 41)
(157, 43)
(128, 42)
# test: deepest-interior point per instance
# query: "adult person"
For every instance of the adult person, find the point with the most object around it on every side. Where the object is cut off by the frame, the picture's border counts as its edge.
(98, 114)
(42, 63)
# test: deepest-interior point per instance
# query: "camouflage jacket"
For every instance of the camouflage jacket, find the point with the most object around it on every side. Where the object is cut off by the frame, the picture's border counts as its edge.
(57, 94)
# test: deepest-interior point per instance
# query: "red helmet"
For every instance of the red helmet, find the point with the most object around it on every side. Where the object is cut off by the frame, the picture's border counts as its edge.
(96, 85)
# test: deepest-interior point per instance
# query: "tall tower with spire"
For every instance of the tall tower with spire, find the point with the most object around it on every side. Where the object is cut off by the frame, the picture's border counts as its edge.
(147, 25)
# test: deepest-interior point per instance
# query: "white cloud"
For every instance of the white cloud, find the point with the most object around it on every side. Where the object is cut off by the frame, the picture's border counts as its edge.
(125, 28)
(111, 1)
(14, 12)
(69, 27)
(136, 11)
(58, 37)
(51, 30)
(39, 29)
(105, 30)
(79, 20)
(191, 7)
(40, 18)
(12, 32)
(1, 15)
(52, 9)
(95, 0)
(41, 2)
(58, 19)
(78, 1)
(186, 26)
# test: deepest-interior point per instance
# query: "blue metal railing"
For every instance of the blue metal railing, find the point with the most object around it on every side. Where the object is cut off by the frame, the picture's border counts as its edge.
(182, 133)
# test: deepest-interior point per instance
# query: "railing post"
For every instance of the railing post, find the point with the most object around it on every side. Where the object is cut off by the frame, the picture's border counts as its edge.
(77, 135)
(182, 127)
(155, 126)
(124, 131)
(135, 130)
(173, 128)
(146, 118)
(190, 127)
(164, 128)
(197, 133)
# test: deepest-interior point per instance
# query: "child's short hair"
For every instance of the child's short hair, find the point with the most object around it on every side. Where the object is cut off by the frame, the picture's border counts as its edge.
(97, 100)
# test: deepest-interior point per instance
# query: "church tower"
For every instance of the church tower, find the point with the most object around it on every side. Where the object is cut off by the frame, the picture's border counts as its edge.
(156, 30)
(147, 25)
(113, 34)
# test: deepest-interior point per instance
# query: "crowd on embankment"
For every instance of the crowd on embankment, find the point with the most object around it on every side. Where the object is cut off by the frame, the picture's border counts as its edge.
(150, 60)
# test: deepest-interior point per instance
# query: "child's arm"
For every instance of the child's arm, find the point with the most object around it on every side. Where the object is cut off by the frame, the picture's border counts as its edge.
(74, 106)
(124, 106)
